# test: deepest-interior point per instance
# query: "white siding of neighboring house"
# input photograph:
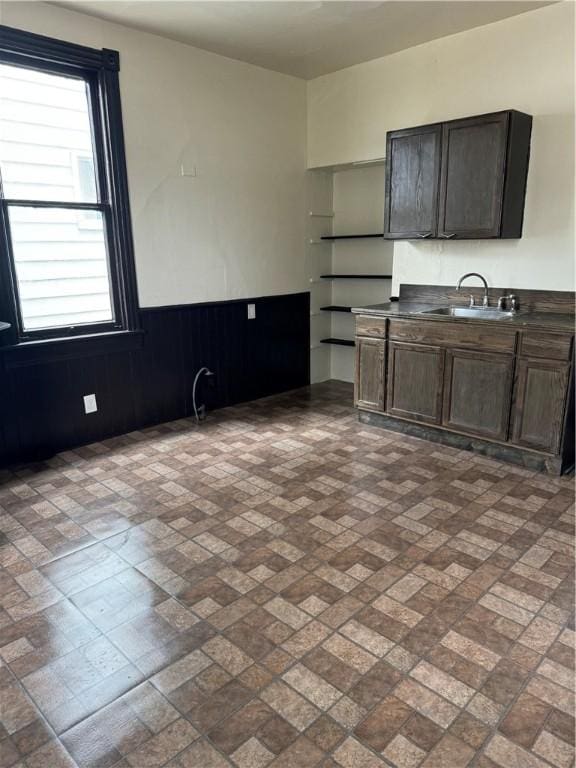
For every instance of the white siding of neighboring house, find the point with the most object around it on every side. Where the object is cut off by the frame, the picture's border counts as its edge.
(60, 255)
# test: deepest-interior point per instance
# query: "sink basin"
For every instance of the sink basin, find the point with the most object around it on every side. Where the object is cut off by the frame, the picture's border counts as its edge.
(478, 313)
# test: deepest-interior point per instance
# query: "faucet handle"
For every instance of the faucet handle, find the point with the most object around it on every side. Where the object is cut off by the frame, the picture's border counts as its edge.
(502, 302)
(514, 303)
(472, 301)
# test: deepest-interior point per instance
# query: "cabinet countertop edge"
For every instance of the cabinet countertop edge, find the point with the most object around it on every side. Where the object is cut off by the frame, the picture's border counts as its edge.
(549, 321)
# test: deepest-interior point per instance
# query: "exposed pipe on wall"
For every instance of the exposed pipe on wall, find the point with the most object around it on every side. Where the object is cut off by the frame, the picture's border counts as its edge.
(199, 411)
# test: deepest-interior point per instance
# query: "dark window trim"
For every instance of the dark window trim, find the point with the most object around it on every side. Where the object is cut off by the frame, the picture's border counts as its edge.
(100, 69)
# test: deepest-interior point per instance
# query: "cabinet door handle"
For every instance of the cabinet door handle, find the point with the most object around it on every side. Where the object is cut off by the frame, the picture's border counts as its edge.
(449, 237)
(427, 234)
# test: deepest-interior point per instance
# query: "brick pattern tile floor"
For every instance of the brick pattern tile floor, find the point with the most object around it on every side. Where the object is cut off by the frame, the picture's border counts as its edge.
(284, 587)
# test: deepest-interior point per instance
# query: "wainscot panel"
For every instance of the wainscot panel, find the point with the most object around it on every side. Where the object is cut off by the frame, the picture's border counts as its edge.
(146, 378)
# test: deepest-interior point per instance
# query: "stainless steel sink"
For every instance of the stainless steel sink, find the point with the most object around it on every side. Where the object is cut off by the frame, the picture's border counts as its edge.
(478, 313)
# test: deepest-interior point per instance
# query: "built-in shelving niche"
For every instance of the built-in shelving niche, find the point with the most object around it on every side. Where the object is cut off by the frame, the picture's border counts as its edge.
(349, 262)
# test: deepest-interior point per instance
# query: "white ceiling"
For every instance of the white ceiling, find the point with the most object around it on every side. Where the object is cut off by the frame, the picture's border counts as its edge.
(306, 39)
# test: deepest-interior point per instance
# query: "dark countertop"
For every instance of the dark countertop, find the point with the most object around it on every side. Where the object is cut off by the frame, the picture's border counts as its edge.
(412, 309)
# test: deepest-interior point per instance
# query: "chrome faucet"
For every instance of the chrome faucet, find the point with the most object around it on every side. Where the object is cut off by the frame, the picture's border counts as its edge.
(475, 274)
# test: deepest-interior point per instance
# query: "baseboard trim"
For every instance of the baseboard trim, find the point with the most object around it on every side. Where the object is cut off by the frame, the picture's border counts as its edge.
(511, 454)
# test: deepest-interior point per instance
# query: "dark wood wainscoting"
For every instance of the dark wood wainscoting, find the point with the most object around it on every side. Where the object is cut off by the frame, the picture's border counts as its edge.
(147, 378)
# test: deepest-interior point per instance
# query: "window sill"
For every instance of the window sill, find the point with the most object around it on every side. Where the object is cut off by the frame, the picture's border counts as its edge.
(70, 347)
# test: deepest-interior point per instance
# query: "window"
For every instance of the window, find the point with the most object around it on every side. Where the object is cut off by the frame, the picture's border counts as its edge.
(66, 267)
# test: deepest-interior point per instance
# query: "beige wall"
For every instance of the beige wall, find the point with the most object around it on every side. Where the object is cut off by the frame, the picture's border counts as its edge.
(524, 63)
(237, 229)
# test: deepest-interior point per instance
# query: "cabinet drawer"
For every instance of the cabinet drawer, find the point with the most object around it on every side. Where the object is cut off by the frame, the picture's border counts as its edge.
(453, 334)
(371, 326)
(553, 346)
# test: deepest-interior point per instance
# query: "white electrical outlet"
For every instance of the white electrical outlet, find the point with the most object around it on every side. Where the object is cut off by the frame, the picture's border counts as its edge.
(187, 169)
(251, 311)
(90, 405)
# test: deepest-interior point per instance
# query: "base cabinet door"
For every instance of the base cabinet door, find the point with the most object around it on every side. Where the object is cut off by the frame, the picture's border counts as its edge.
(415, 374)
(370, 374)
(478, 393)
(539, 399)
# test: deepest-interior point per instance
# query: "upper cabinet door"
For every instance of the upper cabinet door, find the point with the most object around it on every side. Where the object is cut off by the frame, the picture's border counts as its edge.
(472, 177)
(412, 176)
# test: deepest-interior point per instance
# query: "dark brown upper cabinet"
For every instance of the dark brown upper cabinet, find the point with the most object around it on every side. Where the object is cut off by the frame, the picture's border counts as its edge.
(464, 179)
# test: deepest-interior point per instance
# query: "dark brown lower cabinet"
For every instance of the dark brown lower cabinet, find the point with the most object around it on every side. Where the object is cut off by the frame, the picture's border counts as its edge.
(539, 397)
(415, 373)
(481, 386)
(370, 373)
(477, 393)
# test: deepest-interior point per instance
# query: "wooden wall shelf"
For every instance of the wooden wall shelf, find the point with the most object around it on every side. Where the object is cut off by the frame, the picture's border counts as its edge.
(339, 342)
(351, 237)
(356, 277)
